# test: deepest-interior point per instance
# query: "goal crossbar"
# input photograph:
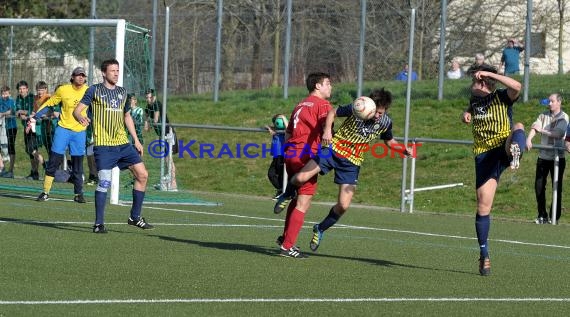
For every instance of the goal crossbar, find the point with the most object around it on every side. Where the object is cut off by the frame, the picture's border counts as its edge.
(60, 22)
(120, 25)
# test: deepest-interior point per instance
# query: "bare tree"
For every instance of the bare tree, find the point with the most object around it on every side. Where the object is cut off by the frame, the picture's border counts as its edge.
(326, 37)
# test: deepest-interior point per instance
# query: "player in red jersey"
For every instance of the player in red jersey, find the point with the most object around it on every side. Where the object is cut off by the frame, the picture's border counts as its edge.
(302, 142)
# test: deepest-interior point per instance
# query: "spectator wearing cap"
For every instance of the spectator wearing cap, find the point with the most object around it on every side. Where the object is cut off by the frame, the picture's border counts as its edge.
(511, 56)
(68, 133)
(77, 71)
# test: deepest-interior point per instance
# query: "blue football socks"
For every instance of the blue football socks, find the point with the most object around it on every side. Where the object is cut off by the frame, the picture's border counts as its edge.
(100, 200)
(138, 198)
(329, 221)
(482, 225)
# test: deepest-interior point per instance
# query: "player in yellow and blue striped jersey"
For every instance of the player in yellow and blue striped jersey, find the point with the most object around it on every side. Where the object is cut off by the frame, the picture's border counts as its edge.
(498, 143)
(108, 106)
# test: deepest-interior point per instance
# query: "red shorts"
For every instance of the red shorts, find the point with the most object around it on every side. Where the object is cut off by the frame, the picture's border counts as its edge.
(294, 165)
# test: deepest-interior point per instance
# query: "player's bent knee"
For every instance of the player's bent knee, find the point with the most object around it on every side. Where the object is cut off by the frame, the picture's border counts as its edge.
(142, 176)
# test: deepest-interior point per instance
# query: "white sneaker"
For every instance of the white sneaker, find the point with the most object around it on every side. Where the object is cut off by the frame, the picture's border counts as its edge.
(516, 154)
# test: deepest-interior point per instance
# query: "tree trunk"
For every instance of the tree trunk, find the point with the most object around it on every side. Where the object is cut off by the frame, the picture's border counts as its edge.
(194, 78)
(256, 65)
(229, 53)
(276, 48)
(561, 8)
(276, 57)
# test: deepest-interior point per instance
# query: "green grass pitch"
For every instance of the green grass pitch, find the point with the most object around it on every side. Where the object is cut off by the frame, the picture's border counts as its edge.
(222, 261)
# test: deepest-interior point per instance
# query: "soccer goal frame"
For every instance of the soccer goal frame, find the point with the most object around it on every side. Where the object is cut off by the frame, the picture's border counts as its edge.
(121, 29)
(119, 24)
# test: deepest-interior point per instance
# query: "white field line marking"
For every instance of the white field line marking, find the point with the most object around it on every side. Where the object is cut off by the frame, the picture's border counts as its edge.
(213, 213)
(34, 197)
(154, 223)
(337, 226)
(454, 236)
(277, 300)
(369, 228)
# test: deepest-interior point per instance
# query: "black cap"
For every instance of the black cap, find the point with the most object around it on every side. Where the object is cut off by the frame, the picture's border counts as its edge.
(78, 71)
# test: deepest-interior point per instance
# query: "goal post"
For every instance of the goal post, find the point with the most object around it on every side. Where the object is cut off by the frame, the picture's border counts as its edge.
(109, 45)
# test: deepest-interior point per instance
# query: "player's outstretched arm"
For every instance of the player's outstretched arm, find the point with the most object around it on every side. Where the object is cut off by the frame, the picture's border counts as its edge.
(399, 147)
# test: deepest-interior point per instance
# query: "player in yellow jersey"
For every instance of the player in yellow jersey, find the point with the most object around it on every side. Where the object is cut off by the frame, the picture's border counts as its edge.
(345, 155)
(110, 112)
(68, 133)
(497, 144)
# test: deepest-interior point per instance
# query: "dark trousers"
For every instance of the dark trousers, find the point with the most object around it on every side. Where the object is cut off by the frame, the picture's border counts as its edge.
(31, 143)
(11, 134)
(275, 172)
(75, 175)
(47, 134)
(543, 168)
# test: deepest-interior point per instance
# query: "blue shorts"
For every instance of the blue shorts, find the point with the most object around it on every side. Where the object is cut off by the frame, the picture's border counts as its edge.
(490, 164)
(345, 172)
(63, 138)
(123, 156)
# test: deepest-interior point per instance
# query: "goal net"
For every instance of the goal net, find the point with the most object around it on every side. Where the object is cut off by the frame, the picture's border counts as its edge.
(36, 50)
